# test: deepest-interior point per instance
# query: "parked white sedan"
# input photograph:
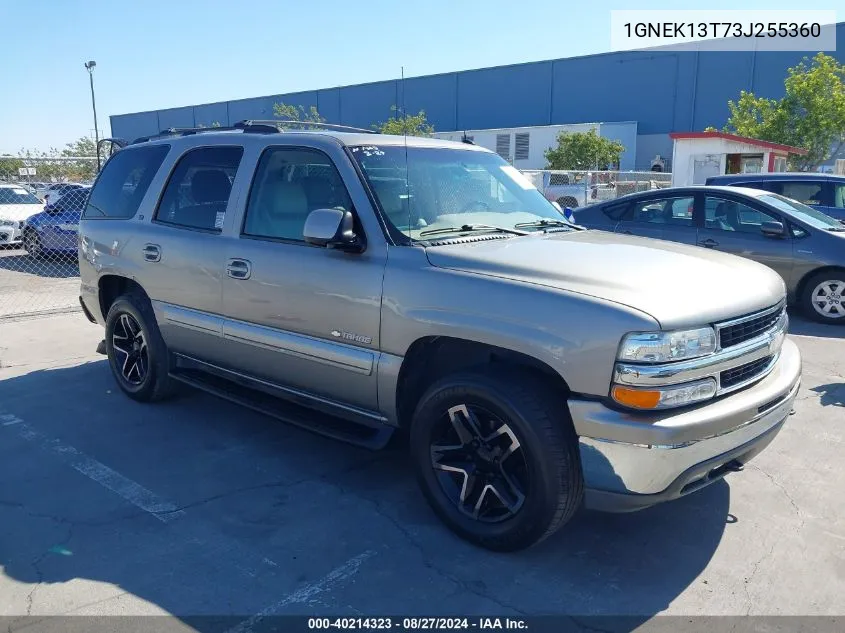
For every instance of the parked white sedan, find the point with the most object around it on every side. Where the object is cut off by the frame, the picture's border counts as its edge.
(16, 206)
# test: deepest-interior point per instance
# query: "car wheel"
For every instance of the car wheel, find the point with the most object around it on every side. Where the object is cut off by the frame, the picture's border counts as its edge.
(496, 459)
(136, 351)
(567, 201)
(824, 297)
(32, 244)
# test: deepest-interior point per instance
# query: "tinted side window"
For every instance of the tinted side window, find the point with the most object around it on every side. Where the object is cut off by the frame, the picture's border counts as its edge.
(616, 212)
(124, 181)
(805, 191)
(677, 211)
(198, 190)
(288, 185)
(728, 215)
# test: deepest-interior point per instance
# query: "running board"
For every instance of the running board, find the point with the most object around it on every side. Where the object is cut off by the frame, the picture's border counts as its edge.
(371, 435)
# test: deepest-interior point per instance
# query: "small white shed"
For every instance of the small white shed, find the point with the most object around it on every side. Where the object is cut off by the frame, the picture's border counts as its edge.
(696, 156)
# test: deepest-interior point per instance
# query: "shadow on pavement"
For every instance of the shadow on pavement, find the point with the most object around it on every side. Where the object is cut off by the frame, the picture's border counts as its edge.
(56, 265)
(802, 326)
(832, 394)
(56, 527)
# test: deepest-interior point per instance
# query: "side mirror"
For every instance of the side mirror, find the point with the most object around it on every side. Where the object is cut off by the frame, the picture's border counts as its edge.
(331, 228)
(772, 229)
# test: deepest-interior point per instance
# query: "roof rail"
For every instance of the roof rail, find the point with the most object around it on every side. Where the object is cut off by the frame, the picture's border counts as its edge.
(269, 126)
(183, 131)
(278, 123)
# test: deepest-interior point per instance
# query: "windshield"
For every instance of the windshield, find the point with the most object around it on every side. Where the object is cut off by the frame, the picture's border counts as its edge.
(17, 195)
(442, 188)
(802, 212)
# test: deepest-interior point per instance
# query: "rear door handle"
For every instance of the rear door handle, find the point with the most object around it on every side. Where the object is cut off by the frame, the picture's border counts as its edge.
(708, 243)
(239, 269)
(152, 252)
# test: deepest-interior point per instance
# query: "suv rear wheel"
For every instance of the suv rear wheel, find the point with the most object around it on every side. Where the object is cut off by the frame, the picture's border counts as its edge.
(495, 459)
(823, 298)
(137, 354)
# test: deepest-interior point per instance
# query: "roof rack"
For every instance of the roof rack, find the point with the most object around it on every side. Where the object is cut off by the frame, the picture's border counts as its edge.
(276, 123)
(270, 126)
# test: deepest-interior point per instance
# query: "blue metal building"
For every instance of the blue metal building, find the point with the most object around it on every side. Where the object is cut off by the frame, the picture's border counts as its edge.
(663, 91)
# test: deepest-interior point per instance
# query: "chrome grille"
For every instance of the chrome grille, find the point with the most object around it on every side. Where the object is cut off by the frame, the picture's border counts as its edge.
(741, 330)
(744, 373)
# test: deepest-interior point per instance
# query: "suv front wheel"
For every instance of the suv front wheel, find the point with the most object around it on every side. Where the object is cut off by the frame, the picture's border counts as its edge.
(137, 353)
(496, 458)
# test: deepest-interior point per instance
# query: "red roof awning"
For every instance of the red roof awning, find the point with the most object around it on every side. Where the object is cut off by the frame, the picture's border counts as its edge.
(789, 149)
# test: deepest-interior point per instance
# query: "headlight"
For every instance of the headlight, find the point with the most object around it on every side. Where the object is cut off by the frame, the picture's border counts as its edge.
(664, 397)
(663, 347)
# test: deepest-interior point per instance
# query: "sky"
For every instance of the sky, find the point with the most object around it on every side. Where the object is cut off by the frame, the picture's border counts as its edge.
(154, 54)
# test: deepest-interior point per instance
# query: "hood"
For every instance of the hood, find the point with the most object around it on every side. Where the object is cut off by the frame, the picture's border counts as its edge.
(676, 284)
(19, 212)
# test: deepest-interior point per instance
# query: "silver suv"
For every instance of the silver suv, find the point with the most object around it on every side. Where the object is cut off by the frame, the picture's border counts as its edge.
(358, 284)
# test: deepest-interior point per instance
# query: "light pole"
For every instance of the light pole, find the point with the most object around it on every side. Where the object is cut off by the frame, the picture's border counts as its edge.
(89, 66)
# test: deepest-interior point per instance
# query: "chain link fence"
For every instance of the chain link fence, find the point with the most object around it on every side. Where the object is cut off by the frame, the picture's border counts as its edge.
(579, 188)
(41, 200)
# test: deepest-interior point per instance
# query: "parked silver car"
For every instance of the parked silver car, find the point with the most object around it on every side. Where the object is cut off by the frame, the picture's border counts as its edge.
(356, 284)
(803, 245)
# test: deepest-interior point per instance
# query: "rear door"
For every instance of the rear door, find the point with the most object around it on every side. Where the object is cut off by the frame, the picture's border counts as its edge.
(180, 253)
(732, 224)
(660, 217)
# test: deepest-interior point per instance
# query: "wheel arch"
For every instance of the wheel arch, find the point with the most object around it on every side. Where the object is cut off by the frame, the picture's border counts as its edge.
(431, 357)
(112, 286)
(802, 284)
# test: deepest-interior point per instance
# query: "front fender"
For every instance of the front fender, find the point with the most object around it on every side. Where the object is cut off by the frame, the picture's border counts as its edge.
(576, 335)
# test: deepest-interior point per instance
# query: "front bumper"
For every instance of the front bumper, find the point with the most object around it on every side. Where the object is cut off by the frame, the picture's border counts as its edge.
(633, 460)
(10, 234)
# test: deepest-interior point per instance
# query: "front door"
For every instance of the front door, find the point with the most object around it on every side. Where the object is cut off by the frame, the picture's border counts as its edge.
(298, 315)
(735, 227)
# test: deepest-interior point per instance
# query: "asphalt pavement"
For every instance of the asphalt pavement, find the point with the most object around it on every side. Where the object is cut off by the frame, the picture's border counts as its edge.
(198, 507)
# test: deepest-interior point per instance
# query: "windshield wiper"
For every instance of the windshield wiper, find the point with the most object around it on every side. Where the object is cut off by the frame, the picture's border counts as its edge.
(836, 229)
(544, 223)
(466, 228)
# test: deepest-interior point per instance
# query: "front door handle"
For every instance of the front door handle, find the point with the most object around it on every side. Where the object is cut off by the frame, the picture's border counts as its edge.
(708, 243)
(239, 268)
(152, 252)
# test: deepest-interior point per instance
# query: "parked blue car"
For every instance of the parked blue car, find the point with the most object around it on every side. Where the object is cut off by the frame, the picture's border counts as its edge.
(55, 229)
(825, 192)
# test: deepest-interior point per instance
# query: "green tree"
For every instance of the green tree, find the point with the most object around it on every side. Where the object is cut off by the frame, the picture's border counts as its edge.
(407, 125)
(9, 166)
(811, 114)
(296, 113)
(583, 150)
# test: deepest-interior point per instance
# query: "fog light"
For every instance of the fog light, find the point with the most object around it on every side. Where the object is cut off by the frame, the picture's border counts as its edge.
(664, 397)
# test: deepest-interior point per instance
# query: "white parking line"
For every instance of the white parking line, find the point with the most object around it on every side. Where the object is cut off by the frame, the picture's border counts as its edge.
(307, 593)
(129, 490)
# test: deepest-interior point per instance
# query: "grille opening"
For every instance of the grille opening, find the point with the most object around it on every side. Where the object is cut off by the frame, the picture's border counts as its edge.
(745, 331)
(737, 375)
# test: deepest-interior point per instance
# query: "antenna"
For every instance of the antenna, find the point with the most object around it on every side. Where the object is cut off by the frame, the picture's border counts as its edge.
(405, 136)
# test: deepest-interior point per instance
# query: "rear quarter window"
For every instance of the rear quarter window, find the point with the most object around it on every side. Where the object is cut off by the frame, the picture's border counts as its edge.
(124, 181)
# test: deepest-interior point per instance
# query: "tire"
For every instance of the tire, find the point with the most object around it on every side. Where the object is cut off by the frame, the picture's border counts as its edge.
(825, 290)
(32, 244)
(132, 336)
(568, 201)
(544, 467)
